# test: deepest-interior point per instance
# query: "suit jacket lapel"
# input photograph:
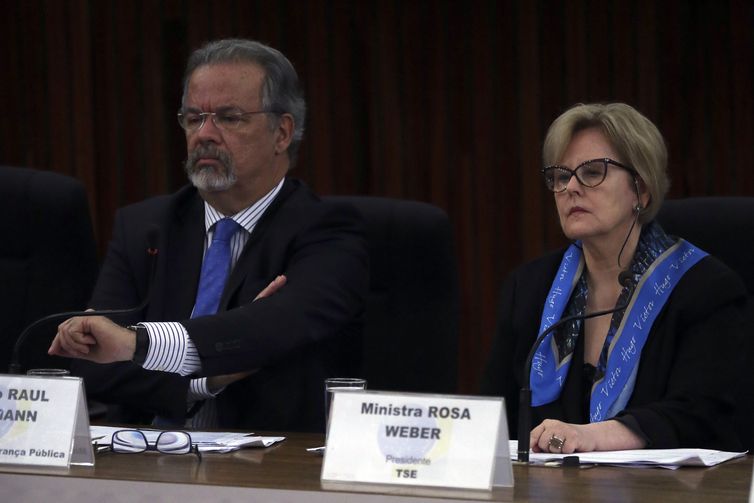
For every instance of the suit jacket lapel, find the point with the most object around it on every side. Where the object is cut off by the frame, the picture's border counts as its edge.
(240, 270)
(184, 256)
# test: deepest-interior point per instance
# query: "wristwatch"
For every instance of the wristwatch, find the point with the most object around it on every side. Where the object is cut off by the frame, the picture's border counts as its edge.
(142, 343)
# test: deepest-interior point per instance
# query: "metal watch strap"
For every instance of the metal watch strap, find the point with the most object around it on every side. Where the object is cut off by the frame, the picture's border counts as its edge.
(142, 343)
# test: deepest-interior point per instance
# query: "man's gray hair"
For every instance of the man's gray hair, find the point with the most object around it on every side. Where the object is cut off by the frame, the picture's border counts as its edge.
(281, 91)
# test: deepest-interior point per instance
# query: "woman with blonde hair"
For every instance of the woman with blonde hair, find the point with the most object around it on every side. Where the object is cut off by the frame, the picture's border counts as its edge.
(659, 373)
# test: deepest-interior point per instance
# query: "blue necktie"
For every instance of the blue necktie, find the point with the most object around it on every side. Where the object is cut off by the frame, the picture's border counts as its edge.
(215, 268)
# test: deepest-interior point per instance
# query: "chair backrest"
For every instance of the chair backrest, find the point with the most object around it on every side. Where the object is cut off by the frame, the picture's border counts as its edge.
(723, 226)
(48, 260)
(412, 314)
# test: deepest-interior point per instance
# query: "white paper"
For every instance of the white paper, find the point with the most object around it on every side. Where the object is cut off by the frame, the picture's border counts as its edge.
(207, 441)
(661, 458)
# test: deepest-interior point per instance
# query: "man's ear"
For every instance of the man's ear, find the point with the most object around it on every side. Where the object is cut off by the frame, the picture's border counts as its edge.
(284, 133)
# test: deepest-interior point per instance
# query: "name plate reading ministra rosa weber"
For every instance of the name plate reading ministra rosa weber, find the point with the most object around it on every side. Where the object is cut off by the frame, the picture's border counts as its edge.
(437, 441)
(44, 421)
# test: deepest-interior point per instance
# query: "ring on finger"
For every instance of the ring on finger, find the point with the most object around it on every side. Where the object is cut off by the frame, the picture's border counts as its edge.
(556, 443)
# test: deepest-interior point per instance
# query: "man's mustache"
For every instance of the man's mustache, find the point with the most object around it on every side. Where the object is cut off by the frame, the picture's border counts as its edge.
(202, 152)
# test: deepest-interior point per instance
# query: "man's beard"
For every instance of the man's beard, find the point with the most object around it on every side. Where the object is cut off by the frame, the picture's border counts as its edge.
(210, 178)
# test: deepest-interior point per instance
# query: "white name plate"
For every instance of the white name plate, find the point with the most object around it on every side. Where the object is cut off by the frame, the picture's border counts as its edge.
(417, 440)
(44, 421)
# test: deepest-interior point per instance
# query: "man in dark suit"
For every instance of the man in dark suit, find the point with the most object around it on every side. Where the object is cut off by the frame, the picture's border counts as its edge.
(294, 269)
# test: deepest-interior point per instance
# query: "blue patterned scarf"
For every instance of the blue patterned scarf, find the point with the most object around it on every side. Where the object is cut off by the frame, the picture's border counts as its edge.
(658, 265)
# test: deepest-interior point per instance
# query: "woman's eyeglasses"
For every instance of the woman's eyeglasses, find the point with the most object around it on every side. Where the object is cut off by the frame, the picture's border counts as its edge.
(589, 173)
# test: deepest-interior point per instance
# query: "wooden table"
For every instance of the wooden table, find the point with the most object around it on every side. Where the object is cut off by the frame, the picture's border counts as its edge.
(287, 473)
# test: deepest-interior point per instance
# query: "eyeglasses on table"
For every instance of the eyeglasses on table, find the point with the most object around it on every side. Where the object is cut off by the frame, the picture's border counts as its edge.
(135, 441)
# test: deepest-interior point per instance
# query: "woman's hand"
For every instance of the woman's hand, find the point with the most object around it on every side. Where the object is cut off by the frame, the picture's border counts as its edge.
(565, 438)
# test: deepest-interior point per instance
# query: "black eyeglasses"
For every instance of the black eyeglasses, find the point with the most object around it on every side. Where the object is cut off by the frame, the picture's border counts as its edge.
(589, 173)
(225, 120)
(167, 442)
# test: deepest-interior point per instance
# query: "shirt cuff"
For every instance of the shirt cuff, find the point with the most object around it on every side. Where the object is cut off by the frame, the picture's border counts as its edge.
(198, 390)
(170, 349)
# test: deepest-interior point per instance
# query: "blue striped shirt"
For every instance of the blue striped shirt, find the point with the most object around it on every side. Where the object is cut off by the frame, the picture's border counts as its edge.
(170, 347)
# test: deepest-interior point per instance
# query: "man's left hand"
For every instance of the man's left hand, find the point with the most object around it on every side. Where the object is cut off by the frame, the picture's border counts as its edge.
(97, 339)
(93, 338)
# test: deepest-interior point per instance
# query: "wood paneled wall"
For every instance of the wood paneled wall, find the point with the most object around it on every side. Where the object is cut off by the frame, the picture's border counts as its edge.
(440, 101)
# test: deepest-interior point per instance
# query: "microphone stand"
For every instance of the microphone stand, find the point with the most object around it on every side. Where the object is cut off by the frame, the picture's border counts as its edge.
(15, 366)
(524, 396)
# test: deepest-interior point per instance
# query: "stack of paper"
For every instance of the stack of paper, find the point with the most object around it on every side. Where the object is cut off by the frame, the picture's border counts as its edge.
(208, 441)
(662, 458)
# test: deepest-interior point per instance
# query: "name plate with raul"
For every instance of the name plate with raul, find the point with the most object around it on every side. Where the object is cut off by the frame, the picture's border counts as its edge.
(44, 421)
(413, 439)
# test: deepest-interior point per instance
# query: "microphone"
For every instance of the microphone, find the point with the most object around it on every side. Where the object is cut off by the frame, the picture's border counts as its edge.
(524, 397)
(152, 250)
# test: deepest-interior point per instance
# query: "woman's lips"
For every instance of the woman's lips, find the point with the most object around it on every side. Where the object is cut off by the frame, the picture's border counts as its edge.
(576, 210)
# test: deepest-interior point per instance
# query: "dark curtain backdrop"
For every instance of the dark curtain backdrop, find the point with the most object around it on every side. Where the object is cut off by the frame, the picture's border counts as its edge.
(439, 101)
